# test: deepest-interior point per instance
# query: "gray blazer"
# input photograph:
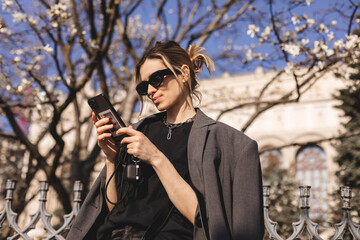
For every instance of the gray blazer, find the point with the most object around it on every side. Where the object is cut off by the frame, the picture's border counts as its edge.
(226, 176)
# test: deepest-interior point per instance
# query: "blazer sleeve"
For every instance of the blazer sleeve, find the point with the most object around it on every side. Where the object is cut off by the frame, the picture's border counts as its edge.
(247, 212)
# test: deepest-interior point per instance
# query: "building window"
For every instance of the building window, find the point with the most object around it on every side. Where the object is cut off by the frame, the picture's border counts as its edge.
(271, 160)
(311, 171)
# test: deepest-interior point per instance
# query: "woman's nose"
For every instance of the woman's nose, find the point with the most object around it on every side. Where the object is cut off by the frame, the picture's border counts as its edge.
(151, 89)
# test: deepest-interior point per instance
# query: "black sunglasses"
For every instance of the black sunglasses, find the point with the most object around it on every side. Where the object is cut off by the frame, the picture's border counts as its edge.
(155, 80)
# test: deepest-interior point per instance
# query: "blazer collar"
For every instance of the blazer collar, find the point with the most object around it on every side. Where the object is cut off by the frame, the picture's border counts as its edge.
(202, 120)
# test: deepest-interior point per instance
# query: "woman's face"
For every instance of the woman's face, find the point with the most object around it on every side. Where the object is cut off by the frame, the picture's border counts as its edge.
(171, 93)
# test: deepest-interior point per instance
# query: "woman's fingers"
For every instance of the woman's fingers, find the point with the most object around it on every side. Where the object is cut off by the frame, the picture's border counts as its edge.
(104, 128)
(94, 118)
(128, 130)
(104, 136)
(101, 125)
(102, 121)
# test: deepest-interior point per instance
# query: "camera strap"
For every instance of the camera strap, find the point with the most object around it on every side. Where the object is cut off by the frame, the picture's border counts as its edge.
(159, 222)
(118, 165)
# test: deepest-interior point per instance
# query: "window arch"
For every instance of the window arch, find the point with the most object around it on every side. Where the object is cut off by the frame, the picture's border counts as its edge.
(311, 170)
(271, 160)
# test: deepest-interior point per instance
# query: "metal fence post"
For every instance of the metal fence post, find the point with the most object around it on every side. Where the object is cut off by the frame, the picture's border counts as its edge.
(305, 221)
(346, 221)
(270, 225)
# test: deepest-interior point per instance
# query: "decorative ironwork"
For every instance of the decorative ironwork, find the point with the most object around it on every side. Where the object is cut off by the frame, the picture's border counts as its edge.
(270, 225)
(346, 221)
(304, 222)
(41, 214)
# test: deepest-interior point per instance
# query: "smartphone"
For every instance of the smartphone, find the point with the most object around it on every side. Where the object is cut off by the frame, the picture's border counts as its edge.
(102, 107)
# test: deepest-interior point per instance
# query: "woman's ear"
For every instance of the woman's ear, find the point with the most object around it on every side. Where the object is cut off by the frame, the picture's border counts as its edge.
(186, 73)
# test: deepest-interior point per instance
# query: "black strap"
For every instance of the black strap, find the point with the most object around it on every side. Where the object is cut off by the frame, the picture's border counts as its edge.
(159, 222)
(118, 165)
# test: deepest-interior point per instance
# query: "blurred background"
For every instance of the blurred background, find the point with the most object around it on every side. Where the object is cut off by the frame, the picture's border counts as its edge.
(287, 74)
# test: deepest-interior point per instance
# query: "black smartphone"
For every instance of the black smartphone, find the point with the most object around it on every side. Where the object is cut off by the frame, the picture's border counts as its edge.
(102, 107)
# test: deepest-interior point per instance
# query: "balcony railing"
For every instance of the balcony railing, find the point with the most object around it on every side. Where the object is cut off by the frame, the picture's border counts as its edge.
(304, 223)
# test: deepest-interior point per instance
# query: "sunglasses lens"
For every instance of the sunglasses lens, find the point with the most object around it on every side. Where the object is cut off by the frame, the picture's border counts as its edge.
(142, 88)
(155, 80)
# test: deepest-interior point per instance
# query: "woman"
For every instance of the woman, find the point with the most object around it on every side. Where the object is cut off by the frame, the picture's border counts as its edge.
(201, 179)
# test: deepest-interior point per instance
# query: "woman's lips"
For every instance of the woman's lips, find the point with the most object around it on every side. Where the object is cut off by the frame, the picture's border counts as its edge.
(156, 99)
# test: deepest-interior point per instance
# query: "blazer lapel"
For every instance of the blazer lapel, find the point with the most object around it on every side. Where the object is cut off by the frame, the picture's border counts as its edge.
(196, 145)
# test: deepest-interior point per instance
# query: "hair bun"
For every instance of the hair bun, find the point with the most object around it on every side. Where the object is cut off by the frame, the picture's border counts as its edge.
(199, 58)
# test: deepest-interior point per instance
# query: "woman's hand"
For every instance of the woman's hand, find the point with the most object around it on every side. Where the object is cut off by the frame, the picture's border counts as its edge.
(105, 142)
(139, 145)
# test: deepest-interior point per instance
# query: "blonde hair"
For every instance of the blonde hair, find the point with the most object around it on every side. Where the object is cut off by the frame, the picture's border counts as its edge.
(174, 57)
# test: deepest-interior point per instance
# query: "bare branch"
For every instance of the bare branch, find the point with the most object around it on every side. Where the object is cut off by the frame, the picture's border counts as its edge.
(296, 144)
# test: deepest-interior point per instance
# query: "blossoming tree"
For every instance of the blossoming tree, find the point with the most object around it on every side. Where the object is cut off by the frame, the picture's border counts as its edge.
(56, 54)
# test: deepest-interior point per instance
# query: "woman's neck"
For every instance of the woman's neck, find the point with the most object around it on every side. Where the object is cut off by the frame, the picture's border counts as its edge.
(181, 114)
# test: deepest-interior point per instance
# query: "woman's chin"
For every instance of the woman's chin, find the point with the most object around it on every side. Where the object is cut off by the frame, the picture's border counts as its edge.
(160, 107)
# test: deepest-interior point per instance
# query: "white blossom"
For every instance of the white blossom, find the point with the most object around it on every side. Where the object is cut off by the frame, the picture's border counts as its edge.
(19, 17)
(42, 96)
(38, 58)
(266, 31)
(331, 36)
(39, 106)
(333, 22)
(58, 10)
(292, 49)
(351, 41)
(321, 65)
(49, 87)
(295, 19)
(20, 89)
(4, 30)
(24, 81)
(252, 30)
(16, 59)
(323, 28)
(73, 29)
(320, 46)
(93, 44)
(33, 21)
(48, 49)
(17, 51)
(338, 44)
(7, 4)
(249, 54)
(330, 52)
(300, 28)
(308, 2)
(8, 87)
(311, 22)
(305, 41)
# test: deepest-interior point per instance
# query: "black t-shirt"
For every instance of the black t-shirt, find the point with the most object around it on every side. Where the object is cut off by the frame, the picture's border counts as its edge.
(145, 199)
